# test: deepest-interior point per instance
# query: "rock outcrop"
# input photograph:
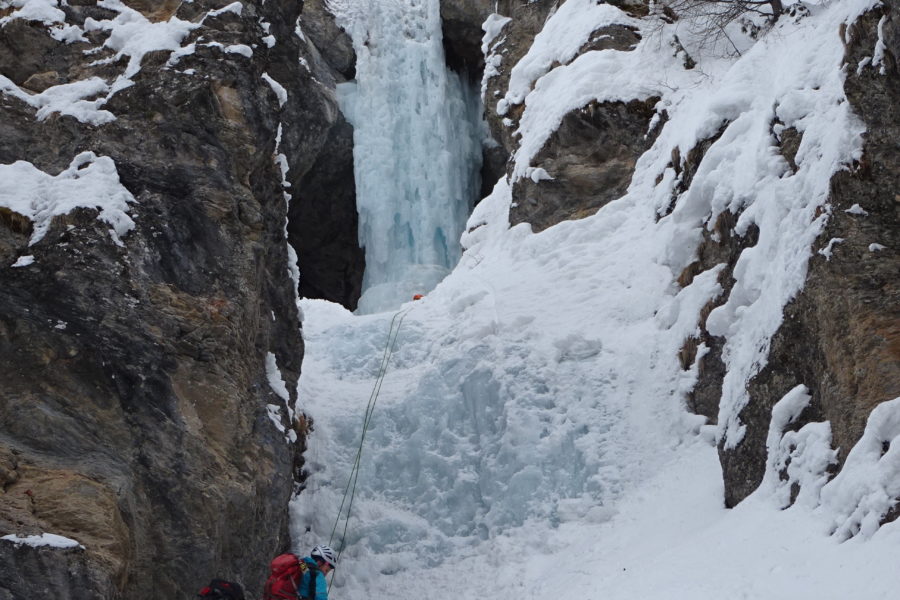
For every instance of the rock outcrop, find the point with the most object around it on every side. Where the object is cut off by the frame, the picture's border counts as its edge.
(136, 413)
(841, 335)
(589, 159)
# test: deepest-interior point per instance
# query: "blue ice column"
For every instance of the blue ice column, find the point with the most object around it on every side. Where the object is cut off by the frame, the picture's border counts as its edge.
(417, 149)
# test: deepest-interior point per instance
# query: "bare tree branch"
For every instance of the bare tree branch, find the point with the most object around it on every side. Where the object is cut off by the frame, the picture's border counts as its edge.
(711, 17)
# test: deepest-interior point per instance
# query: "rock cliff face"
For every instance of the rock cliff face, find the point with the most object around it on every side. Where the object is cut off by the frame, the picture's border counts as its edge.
(590, 158)
(841, 335)
(136, 413)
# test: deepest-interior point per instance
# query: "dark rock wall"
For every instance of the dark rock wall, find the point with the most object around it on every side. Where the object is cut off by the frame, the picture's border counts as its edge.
(333, 263)
(461, 20)
(133, 407)
(323, 224)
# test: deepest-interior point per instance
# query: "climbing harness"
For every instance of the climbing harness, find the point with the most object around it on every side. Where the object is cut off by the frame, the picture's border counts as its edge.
(350, 490)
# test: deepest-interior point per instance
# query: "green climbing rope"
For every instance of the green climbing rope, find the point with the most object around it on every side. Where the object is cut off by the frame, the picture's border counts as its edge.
(350, 490)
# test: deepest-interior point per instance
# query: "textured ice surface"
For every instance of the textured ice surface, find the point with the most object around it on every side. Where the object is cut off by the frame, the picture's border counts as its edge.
(530, 438)
(417, 149)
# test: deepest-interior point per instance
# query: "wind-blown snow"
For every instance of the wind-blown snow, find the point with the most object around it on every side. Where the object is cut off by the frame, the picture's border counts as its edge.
(530, 437)
(417, 148)
(90, 181)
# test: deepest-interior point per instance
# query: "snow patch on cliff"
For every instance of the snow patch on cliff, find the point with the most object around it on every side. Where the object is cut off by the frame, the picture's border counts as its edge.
(43, 540)
(90, 181)
(131, 34)
(45, 11)
(66, 99)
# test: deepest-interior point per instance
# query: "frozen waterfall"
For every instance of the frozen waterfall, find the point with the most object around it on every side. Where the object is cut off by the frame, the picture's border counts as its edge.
(417, 148)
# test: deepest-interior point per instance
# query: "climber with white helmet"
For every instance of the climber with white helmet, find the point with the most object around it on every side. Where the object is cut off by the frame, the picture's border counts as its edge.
(294, 578)
(325, 558)
(321, 562)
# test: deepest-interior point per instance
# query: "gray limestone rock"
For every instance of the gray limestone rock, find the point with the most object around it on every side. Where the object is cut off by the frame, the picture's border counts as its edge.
(133, 411)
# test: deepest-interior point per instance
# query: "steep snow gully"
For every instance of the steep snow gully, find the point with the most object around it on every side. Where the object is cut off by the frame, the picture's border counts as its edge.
(531, 437)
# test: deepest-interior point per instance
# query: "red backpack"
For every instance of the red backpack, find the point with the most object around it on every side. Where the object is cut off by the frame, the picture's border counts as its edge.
(285, 572)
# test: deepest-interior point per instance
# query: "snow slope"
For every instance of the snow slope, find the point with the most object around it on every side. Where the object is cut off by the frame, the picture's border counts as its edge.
(530, 437)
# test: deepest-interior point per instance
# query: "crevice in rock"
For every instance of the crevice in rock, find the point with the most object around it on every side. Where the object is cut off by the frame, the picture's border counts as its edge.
(494, 159)
(461, 29)
(720, 246)
(462, 34)
(685, 168)
(789, 139)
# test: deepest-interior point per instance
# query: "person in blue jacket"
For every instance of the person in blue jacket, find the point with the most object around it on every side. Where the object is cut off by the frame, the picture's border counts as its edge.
(321, 561)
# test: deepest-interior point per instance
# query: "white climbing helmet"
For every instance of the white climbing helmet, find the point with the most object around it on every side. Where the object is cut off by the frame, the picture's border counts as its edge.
(326, 554)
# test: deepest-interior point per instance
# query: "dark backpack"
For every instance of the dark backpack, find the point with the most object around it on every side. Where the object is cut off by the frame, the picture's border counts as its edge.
(285, 573)
(224, 590)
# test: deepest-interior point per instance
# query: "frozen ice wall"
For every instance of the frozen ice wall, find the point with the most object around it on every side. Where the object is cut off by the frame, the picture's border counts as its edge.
(531, 437)
(417, 148)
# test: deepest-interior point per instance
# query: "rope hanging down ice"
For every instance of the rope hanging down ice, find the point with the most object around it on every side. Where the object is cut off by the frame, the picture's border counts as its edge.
(350, 490)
